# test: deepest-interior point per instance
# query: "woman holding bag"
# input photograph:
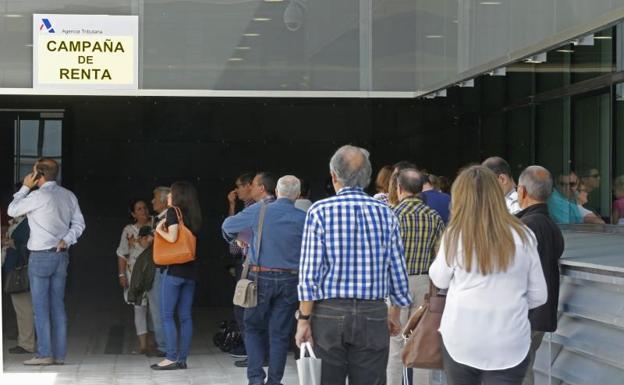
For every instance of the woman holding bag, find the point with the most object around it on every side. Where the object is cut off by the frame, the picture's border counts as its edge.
(178, 280)
(485, 326)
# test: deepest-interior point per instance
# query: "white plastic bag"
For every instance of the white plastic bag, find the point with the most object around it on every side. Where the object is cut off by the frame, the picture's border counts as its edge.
(308, 368)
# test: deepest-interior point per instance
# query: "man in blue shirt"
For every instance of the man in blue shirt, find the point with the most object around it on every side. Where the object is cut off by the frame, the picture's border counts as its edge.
(275, 266)
(435, 199)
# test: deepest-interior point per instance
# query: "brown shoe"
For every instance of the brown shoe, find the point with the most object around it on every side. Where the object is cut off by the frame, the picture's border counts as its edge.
(39, 361)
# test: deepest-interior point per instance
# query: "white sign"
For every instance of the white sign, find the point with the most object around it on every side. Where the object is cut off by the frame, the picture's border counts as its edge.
(85, 51)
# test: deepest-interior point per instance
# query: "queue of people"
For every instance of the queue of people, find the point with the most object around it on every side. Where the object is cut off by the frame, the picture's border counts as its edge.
(364, 264)
(344, 273)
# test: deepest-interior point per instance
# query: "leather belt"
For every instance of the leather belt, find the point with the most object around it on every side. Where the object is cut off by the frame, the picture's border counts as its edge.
(52, 250)
(262, 269)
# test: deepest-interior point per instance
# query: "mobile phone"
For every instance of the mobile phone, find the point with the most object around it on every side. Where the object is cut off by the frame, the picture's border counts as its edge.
(38, 175)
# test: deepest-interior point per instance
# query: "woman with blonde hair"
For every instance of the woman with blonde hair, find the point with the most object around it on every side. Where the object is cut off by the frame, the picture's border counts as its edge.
(489, 263)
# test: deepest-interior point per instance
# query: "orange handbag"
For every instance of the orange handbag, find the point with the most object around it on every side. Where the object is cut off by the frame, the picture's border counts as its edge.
(178, 252)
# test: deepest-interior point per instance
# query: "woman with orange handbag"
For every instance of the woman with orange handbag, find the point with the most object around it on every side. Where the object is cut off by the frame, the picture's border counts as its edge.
(174, 251)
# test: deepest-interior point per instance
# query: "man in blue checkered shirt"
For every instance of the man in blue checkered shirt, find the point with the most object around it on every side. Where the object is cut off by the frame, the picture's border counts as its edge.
(352, 260)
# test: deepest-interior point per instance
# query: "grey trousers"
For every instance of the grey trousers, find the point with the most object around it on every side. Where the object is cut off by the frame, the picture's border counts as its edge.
(22, 303)
(536, 341)
(351, 338)
(418, 287)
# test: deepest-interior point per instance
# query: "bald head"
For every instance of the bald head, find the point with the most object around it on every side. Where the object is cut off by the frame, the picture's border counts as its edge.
(289, 187)
(410, 181)
(48, 168)
(537, 182)
(351, 166)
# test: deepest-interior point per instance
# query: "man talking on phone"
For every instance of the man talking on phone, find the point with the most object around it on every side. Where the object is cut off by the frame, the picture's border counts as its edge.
(55, 223)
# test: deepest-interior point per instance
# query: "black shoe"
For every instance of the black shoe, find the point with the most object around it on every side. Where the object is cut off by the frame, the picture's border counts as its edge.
(18, 350)
(171, 366)
(244, 363)
(241, 363)
(182, 365)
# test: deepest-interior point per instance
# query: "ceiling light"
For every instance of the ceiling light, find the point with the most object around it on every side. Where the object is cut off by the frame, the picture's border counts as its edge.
(602, 37)
(500, 71)
(28, 45)
(262, 19)
(273, 1)
(536, 59)
(251, 34)
(434, 36)
(243, 48)
(235, 59)
(490, 3)
(13, 15)
(565, 50)
(585, 40)
(456, 21)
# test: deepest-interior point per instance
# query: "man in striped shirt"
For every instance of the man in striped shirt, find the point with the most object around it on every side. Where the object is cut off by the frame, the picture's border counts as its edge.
(351, 262)
(421, 229)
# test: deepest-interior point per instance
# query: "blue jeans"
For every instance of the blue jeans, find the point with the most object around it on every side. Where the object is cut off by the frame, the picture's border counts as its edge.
(47, 272)
(153, 300)
(176, 293)
(274, 315)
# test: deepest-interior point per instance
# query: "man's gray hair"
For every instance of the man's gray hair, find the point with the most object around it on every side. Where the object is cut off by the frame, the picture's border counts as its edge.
(537, 181)
(162, 192)
(289, 187)
(351, 166)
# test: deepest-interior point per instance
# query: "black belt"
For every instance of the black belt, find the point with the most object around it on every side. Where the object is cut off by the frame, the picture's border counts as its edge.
(52, 250)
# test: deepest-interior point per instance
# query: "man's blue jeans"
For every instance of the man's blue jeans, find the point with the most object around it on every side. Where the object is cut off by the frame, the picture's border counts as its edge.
(176, 292)
(274, 315)
(47, 272)
(153, 300)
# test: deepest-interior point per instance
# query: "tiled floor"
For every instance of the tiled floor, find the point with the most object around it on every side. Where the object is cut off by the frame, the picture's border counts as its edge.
(91, 326)
(213, 368)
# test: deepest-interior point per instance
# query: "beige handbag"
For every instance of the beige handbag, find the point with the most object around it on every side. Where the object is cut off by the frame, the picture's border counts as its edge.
(246, 292)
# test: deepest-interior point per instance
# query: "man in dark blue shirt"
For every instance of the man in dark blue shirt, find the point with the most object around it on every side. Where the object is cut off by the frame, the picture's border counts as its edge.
(435, 199)
(275, 264)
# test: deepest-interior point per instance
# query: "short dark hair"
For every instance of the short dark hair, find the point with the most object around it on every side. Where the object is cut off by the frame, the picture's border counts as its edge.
(268, 180)
(404, 164)
(497, 165)
(410, 180)
(184, 196)
(48, 168)
(305, 188)
(246, 178)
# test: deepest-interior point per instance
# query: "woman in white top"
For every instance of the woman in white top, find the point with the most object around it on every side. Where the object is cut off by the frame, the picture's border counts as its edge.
(485, 326)
(127, 253)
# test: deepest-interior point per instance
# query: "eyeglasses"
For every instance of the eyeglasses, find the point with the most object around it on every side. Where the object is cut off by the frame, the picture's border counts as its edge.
(594, 176)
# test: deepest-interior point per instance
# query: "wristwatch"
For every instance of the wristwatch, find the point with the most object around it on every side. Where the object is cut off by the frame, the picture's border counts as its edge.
(301, 316)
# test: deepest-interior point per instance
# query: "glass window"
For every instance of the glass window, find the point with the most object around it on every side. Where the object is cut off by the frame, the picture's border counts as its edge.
(591, 122)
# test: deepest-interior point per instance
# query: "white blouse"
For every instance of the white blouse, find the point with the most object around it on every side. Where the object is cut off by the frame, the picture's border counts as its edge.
(485, 322)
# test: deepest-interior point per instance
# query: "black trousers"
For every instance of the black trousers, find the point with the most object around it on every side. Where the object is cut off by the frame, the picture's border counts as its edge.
(460, 374)
(351, 338)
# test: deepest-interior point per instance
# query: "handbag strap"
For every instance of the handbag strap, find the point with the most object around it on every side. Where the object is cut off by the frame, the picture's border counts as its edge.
(179, 214)
(245, 272)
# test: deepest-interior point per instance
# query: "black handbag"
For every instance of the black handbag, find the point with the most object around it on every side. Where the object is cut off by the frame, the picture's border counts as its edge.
(17, 280)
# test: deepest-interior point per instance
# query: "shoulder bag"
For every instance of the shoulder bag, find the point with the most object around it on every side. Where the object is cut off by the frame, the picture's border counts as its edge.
(17, 278)
(246, 291)
(423, 347)
(179, 252)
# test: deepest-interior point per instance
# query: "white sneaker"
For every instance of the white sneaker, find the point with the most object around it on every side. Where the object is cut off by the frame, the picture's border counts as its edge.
(40, 361)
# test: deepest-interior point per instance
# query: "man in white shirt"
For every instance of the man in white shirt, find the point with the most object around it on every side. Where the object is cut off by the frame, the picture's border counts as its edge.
(501, 168)
(56, 223)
